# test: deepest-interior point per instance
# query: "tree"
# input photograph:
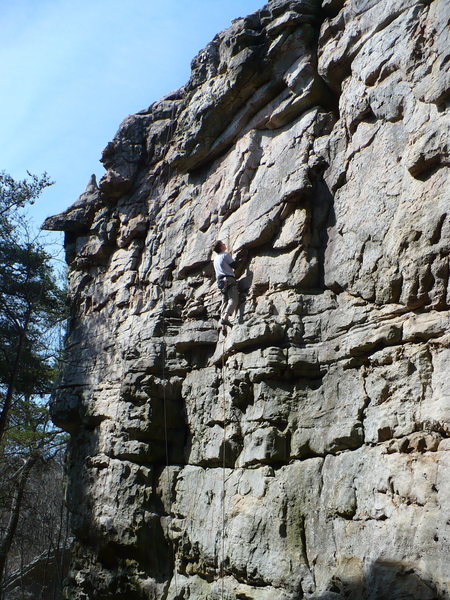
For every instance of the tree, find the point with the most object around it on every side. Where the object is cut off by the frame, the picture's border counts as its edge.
(33, 517)
(16, 194)
(31, 305)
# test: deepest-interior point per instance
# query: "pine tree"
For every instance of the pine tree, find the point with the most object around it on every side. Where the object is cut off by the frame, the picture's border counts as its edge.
(31, 305)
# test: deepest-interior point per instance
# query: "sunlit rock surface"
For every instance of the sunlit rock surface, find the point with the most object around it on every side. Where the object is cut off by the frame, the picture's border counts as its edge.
(306, 454)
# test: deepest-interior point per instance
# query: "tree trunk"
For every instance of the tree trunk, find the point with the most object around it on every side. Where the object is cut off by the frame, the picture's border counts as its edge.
(5, 543)
(15, 372)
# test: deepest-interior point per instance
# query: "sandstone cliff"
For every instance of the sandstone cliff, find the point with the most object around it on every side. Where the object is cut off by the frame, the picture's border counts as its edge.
(306, 454)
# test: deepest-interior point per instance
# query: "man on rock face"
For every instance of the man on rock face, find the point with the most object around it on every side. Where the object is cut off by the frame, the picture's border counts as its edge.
(226, 281)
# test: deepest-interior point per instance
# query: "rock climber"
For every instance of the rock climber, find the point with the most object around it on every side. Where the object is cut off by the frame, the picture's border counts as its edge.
(224, 266)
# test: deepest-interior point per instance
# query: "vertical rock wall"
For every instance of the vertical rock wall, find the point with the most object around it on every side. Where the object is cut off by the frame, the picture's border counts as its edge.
(305, 454)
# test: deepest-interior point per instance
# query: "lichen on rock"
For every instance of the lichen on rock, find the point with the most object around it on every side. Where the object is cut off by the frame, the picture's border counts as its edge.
(306, 454)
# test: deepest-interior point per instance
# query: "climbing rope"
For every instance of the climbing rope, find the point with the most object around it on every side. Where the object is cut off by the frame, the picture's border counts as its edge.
(162, 287)
(223, 495)
(166, 436)
(224, 392)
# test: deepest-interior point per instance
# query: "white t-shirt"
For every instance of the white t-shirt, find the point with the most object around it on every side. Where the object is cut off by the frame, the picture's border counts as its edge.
(222, 263)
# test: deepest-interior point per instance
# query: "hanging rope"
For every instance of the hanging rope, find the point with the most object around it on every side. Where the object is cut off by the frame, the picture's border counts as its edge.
(224, 392)
(162, 286)
(224, 404)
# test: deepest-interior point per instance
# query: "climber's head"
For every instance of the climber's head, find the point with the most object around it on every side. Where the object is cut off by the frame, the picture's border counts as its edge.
(219, 247)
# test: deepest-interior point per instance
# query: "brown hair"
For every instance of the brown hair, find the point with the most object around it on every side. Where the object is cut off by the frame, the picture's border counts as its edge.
(217, 246)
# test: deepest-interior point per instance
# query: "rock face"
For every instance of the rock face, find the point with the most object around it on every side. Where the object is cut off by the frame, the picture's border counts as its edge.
(306, 454)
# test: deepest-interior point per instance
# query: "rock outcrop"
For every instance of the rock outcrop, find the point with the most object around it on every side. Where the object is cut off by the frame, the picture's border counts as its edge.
(305, 454)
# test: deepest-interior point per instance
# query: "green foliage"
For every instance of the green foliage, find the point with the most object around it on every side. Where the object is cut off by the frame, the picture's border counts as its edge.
(30, 429)
(16, 194)
(31, 306)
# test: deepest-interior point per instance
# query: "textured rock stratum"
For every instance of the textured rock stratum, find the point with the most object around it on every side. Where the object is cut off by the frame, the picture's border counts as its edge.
(306, 454)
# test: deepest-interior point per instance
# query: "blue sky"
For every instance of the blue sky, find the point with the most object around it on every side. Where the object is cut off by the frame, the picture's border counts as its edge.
(71, 71)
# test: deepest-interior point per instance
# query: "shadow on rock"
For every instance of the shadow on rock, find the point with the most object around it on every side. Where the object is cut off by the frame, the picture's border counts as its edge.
(244, 284)
(385, 580)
